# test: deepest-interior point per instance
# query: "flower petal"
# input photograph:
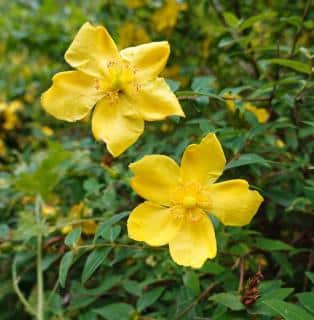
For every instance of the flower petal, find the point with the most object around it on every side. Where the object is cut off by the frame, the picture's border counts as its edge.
(91, 50)
(148, 59)
(71, 96)
(117, 123)
(203, 162)
(155, 100)
(155, 178)
(195, 243)
(233, 203)
(153, 224)
(261, 114)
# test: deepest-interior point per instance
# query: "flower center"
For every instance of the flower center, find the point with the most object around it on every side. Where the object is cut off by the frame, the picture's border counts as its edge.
(189, 202)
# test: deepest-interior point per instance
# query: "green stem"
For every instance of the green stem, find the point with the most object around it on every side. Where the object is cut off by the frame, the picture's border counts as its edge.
(40, 280)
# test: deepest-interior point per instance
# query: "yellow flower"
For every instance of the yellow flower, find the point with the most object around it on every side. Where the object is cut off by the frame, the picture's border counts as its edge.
(280, 144)
(133, 4)
(166, 17)
(179, 198)
(2, 148)
(132, 34)
(47, 131)
(261, 114)
(8, 113)
(124, 86)
(49, 211)
(76, 213)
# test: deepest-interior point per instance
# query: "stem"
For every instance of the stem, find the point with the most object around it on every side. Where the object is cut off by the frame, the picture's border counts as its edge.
(40, 280)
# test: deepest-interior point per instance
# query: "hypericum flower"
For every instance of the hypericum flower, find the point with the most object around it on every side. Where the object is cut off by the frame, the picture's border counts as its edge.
(8, 114)
(77, 212)
(166, 17)
(179, 199)
(124, 86)
(131, 34)
(261, 114)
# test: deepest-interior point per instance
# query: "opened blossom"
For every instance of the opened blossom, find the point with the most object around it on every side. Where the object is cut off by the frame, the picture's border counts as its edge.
(123, 86)
(180, 199)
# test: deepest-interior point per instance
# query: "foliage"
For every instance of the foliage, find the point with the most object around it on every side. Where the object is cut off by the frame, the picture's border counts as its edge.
(255, 52)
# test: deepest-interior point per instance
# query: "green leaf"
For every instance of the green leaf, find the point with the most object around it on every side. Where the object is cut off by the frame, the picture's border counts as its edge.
(148, 298)
(132, 287)
(72, 238)
(245, 159)
(252, 20)
(213, 268)
(228, 300)
(310, 275)
(190, 280)
(64, 268)
(93, 261)
(111, 233)
(231, 20)
(104, 227)
(115, 311)
(287, 310)
(4, 230)
(292, 64)
(174, 85)
(272, 245)
(195, 94)
(307, 300)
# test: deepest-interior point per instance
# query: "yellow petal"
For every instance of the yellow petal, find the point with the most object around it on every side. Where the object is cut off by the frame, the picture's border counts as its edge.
(261, 114)
(155, 178)
(91, 50)
(148, 59)
(195, 243)
(153, 224)
(233, 203)
(71, 96)
(89, 227)
(155, 100)
(204, 162)
(117, 123)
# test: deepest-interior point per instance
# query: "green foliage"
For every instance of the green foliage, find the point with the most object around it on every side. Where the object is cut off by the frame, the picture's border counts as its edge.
(261, 53)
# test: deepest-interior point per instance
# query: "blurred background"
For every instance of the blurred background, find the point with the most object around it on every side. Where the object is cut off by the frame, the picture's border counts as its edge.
(258, 57)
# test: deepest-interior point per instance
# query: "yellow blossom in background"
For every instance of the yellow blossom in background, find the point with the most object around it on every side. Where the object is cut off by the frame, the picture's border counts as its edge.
(261, 114)
(47, 131)
(165, 18)
(134, 4)
(8, 114)
(124, 86)
(280, 144)
(77, 212)
(180, 198)
(2, 148)
(131, 34)
(48, 211)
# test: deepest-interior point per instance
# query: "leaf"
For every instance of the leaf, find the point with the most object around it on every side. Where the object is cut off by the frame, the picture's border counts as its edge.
(293, 64)
(64, 268)
(287, 310)
(310, 275)
(4, 230)
(111, 233)
(231, 20)
(245, 159)
(115, 311)
(195, 94)
(202, 84)
(307, 300)
(229, 300)
(190, 280)
(93, 261)
(174, 85)
(132, 287)
(252, 20)
(72, 238)
(148, 298)
(103, 227)
(272, 245)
